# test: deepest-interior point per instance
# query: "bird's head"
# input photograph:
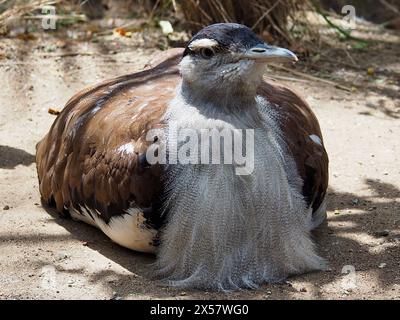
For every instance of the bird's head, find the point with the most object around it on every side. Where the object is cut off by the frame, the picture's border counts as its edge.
(228, 56)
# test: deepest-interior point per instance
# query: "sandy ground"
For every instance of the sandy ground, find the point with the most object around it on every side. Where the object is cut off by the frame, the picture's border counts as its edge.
(45, 256)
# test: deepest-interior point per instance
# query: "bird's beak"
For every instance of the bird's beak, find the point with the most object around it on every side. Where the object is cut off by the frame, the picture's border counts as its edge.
(265, 53)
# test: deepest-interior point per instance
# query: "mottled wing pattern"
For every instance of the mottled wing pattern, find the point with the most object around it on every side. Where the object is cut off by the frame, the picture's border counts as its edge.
(299, 126)
(92, 154)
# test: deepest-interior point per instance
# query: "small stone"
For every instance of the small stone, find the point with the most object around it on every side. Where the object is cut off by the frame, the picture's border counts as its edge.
(382, 265)
(303, 289)
(61, 256)
(182, 294)
(355, 201)
(382, 233)
(115, 296)
(6, 208)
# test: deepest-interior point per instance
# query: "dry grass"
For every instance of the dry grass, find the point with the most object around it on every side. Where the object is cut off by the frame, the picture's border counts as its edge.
(15, 9)
(275, 20)
(270, 17)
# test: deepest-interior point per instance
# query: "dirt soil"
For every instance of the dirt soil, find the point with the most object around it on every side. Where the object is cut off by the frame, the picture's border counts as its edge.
(44, 256)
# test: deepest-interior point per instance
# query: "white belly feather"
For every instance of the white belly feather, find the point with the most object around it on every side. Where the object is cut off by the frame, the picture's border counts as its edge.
(128, 230)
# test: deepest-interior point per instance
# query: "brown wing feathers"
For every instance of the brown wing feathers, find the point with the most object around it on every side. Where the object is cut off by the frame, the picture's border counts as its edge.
(90, 155)
(298, 123)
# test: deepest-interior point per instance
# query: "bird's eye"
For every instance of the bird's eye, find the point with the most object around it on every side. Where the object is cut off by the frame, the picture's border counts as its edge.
(206, 53)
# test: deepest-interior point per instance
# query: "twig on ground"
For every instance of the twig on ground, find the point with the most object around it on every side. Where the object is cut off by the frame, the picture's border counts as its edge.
(349, 56)
(67, 54)
(310, 77)
(276, 77)
(77, 17)
(390, 6)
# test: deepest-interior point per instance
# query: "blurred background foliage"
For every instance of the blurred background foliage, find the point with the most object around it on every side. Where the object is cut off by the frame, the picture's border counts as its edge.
(287, 22)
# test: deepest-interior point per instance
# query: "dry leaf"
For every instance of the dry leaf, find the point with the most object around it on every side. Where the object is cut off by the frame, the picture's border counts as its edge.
(120, 31)
(371, 71)
(166, 27)
(53, 111)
